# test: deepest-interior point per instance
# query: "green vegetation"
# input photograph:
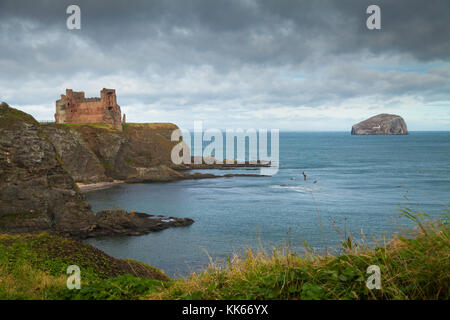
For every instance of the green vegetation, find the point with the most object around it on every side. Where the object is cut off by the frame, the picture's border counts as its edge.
(34, 267)
(157, 127)
(9, 218)
(10, 118)
(102, 126)
(151, 125)
(413, 266)
(107, 165)
(131, 162)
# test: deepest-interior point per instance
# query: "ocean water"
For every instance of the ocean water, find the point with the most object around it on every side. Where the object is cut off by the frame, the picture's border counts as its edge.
(360, 184)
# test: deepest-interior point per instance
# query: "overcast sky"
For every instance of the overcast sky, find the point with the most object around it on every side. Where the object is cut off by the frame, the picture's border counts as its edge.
(292, 65)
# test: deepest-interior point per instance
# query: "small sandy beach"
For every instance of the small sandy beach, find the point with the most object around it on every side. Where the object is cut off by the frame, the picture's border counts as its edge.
(87, 187)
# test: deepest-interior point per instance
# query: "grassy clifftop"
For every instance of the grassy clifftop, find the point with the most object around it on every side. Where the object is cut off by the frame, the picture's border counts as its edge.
(413, 266)
(152, 125)
(100, 126)
(108, 127)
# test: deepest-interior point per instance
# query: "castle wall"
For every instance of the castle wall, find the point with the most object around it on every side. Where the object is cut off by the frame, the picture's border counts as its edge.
(86, 112)
(75, 108)
(60, 114)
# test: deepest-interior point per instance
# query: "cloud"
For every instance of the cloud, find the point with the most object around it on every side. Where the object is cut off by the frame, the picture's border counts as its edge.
(231, 62)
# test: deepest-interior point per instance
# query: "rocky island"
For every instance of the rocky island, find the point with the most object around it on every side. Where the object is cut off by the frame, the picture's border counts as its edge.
(382, 124)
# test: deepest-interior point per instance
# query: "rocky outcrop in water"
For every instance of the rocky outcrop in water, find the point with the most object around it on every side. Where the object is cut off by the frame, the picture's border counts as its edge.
(382, 124)
(133, 223)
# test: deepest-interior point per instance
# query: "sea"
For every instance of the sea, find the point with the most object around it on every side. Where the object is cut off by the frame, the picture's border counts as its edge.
(356, 186)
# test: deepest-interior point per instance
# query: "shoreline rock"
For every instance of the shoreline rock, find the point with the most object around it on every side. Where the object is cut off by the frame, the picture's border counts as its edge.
(120, 222)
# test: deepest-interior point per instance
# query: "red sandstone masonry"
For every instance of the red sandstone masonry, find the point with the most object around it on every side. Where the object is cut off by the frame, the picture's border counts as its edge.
(73, 107)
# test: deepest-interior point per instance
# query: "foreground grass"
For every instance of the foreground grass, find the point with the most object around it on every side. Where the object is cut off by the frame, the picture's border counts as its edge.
(413, 266)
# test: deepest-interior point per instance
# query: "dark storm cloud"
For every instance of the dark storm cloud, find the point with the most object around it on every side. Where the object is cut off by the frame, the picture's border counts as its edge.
(189, 54)
(253, 31)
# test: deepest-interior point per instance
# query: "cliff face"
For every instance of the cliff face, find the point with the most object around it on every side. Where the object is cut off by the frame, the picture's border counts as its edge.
(104, 143)
(94, 154)
(98, 153)
(383, 124)
(36, 192)
(146, 154)
(80, 161)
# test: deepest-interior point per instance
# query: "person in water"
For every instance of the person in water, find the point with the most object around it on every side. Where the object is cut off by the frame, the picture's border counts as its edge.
(304, 175)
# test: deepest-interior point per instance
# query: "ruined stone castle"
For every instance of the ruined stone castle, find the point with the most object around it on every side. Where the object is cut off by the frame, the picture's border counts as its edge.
(73, 107)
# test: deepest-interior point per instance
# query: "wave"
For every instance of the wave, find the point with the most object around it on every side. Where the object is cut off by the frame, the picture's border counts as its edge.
(299, 189)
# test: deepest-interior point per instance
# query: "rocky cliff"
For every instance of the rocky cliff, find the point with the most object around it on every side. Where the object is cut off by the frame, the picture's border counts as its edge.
(37, 191)
(141, 152)
(386, 124)
(95, 153)
(81, 162)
